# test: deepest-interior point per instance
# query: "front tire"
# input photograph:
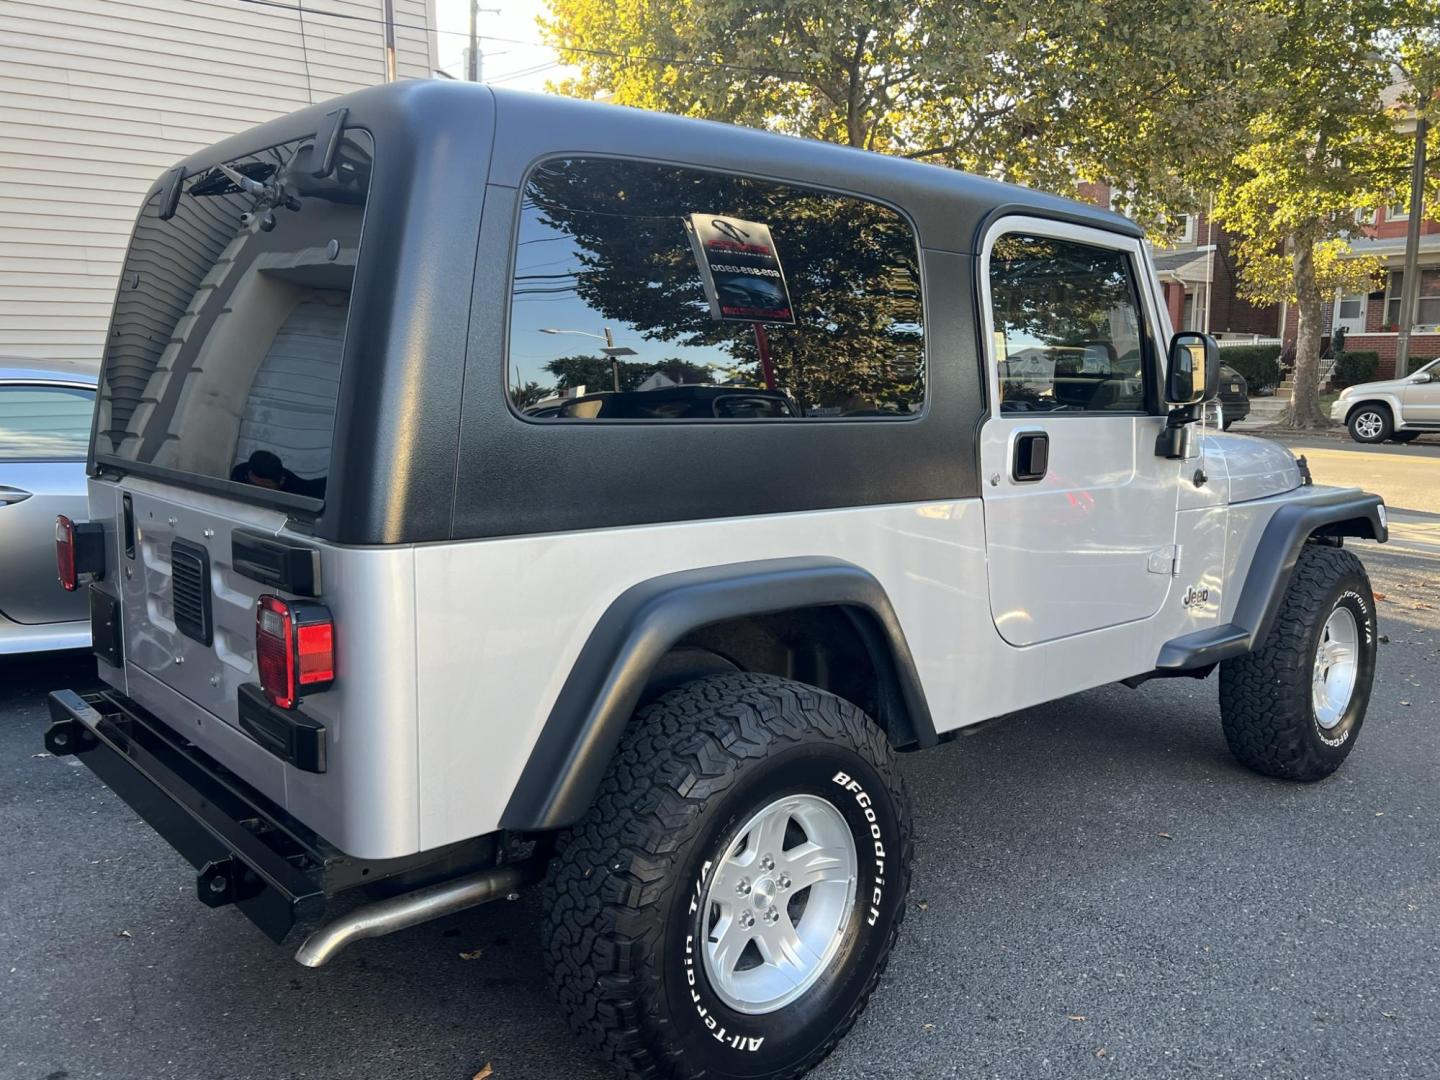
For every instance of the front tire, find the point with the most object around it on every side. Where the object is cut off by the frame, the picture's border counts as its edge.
(1371, 424)
(1293, 708)
(729, 903)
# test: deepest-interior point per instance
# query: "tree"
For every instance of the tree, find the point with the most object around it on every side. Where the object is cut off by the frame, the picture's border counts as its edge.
(594, 373)
(1137, 93)
(1321, 147)
(527, 394)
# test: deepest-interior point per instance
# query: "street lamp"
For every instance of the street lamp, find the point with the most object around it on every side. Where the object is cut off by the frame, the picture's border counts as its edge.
(613, 351)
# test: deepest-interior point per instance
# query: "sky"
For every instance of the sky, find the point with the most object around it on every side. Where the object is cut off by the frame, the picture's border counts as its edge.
(521, 61)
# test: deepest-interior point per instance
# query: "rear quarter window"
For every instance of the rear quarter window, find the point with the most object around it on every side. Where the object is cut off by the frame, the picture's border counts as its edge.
(654, 292)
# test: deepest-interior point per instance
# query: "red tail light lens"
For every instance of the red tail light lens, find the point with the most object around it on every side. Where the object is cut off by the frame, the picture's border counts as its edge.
(65, 553)
(294, 649)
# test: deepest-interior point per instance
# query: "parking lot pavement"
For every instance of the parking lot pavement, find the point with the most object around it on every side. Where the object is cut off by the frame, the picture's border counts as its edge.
(1099, 890)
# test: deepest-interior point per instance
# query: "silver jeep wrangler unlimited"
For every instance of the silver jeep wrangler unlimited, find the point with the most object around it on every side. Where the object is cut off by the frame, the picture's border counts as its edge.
(488, 489)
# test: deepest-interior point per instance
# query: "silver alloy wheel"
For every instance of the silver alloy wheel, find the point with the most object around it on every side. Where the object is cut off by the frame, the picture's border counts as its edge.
(775, 915)
(1368, 425)
(1337, 661)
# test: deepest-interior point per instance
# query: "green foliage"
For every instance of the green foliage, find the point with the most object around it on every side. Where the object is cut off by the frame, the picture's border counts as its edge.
(1260, 364)
(1354, 367)
(595, 374)
(1321, 145)
(1137, 93)
(527, 394)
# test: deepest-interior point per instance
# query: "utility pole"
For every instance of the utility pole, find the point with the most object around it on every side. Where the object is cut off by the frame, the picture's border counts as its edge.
(476, 68)
(1410, 293)
(389, 14)
(614, 360)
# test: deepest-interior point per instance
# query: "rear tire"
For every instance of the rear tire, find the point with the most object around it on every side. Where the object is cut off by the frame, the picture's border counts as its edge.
(1287, 708)
(664, 902)
(1371, 424)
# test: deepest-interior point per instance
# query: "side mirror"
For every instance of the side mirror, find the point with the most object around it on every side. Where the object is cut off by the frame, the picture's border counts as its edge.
(1423, 377)
(1193, 374)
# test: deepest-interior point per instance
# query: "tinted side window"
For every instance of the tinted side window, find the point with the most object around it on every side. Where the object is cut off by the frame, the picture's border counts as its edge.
(650, 292)
(1068, 331)
(45, 423)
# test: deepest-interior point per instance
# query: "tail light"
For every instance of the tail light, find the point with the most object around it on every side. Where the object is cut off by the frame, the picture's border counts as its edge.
(79, 549)
(294, 649)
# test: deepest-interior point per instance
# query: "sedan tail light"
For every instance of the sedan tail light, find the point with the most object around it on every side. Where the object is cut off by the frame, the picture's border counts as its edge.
(294, 649)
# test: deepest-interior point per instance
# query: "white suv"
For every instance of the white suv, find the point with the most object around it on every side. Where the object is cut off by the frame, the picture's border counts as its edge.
(1399, 409)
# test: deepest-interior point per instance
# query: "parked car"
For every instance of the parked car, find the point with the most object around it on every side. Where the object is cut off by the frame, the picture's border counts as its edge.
(1234, 395)
(1398, 409)
(45, 411)
(666, 665)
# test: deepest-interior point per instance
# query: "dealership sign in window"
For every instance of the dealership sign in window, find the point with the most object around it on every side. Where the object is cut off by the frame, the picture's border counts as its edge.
(741, 270)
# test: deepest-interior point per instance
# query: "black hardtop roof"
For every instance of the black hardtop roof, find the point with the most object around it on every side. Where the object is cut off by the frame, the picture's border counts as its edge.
(952, 208)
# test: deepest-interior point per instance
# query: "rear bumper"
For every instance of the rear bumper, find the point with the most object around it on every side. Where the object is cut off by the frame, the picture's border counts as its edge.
(248, 852)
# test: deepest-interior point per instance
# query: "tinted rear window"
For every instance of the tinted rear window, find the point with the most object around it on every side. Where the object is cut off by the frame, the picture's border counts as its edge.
(224, 354)
(654, 292)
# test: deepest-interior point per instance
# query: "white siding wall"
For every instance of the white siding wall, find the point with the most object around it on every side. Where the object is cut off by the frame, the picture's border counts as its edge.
(98, 97)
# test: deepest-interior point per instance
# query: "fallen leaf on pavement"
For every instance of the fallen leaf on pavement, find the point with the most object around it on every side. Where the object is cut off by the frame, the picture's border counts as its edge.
(1405, 703)
(1381, 596)
(923, 905)
(485, 1073)
(1100, 1053)
(1076, 1017)
(473, 954)
(1164, 836)
(124, 933)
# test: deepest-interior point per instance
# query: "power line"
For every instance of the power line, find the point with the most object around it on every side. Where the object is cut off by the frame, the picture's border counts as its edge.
(648, 58)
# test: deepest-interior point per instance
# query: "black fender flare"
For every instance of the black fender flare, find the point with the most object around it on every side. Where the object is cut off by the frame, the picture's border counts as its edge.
(569, 759)
(1329, 514)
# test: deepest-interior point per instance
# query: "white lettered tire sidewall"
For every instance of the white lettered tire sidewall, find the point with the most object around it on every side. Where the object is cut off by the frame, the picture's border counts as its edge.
(1362, 607)
(740, 1044)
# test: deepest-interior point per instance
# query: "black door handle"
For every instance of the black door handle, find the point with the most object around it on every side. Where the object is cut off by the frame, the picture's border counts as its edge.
(1032, 456)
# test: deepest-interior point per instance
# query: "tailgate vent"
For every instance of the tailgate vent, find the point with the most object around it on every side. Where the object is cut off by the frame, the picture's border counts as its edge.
(190, 590)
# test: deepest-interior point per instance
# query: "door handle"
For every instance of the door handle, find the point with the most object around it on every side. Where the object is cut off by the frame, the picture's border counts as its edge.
(10, 495)
(1032, 457)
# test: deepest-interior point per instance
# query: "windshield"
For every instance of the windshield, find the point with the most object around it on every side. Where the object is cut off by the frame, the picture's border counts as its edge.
(223, 360)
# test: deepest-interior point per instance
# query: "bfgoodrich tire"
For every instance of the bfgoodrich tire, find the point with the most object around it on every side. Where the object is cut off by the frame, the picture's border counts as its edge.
(727, 906)
(1293, 708)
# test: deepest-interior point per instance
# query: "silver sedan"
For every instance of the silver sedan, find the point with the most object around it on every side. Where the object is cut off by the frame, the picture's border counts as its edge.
(45, 411)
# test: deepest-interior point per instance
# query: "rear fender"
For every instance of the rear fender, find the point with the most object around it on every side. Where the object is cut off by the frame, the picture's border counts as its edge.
(636, 632)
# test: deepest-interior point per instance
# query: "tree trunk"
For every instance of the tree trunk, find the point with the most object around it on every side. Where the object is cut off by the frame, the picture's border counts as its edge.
(1304, 410)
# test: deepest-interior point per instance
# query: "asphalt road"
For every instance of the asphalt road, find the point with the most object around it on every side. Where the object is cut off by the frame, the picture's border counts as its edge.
(1099, 890)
